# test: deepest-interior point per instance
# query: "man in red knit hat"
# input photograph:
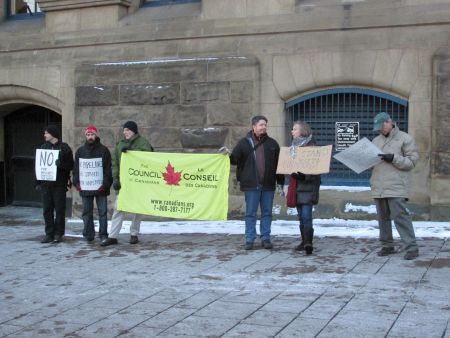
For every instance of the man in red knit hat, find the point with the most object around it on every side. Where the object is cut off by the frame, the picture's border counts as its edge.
(92, 178)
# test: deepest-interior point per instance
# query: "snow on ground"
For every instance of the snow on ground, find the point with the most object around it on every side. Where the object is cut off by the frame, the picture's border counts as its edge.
(322, 227)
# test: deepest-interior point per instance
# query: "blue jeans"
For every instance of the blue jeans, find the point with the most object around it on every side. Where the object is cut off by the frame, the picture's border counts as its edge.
(264, 199)
(88, 216)
(305, 214)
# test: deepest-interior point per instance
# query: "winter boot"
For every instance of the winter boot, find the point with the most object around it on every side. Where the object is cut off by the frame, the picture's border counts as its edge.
(301, 246)
(309, 233)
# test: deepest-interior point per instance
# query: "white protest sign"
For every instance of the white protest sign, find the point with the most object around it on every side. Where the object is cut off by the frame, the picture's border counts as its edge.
(91, 173)
(360, 156)
(45, 166)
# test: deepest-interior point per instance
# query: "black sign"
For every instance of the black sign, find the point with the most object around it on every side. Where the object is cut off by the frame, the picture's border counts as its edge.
(347, 134)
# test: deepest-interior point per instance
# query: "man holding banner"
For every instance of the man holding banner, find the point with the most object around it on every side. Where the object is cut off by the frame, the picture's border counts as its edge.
(131, 141)
(92, 178)
(55, 157)
(256, 157)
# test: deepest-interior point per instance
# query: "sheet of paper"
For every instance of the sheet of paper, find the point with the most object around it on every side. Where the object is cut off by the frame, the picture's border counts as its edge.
(360, 156)
(45, 166)
(91, 173)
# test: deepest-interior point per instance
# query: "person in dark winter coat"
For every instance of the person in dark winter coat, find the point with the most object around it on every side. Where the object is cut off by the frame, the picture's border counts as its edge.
(54, 192)
(307, 187)
(256, 157)
(132, 141)
(89, 156)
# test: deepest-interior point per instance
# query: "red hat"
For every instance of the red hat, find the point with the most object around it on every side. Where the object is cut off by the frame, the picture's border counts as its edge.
(91, 129)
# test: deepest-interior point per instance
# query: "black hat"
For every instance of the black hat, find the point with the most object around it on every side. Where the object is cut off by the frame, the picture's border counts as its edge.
(53, 130)
(132, 126)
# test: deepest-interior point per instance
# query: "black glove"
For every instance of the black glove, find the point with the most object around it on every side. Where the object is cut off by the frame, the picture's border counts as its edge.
(57, 162)
(38, 187)
(116, 184)
(125, 149)
(300, 176)
(387, 157)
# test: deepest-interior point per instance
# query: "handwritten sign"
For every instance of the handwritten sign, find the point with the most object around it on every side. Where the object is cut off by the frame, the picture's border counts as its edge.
(360, 156)
(91, 173)
(307, 160)
(45, 166)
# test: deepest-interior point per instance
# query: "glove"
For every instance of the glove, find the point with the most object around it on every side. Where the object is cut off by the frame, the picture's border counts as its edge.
(116, 184)
(78, 187)
(224, 151)
(125, 149)
(387, 157)
(38, 187)
(57, 162)
(300, 176)
(102, 189)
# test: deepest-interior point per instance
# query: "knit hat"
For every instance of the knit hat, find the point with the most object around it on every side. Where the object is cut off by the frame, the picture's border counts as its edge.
(379, 120)
(91, 129)
(132, 126)
(53, 130)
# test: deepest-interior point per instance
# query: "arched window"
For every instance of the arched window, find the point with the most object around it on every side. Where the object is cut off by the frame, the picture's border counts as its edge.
(357, 106)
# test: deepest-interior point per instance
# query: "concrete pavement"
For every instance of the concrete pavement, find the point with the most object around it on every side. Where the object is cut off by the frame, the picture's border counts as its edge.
(197, 285)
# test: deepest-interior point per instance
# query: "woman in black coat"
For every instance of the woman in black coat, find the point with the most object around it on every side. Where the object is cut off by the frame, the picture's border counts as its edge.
(307, 187)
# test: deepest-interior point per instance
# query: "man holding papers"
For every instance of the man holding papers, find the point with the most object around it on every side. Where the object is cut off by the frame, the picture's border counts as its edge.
(390, 183)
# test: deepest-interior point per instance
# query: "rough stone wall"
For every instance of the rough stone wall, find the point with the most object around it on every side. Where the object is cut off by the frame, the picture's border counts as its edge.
(440, 163)
(180, 105)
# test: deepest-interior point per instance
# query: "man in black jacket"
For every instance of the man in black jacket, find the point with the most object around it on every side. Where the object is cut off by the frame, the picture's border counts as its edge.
(256, 157)
(92, 178)
(54, 192)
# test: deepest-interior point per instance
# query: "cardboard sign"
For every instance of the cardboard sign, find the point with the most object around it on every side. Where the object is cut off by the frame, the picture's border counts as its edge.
(45, 166)
(91, 173)
(307, 160)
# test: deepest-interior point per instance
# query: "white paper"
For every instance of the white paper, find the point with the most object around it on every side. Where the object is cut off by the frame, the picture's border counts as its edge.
(45, 166)
(360, 156)
(91, 173)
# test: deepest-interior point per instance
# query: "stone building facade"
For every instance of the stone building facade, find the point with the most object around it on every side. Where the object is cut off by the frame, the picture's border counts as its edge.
(193, 74)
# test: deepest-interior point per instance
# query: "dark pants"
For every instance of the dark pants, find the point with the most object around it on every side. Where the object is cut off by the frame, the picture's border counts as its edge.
(54, 202)
(88, 216)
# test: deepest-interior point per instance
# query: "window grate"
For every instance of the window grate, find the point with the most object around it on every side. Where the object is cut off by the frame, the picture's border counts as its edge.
(324, 108)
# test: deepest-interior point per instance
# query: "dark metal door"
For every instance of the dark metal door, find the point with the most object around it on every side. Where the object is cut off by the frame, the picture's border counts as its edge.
(24, 130)
(324, 108)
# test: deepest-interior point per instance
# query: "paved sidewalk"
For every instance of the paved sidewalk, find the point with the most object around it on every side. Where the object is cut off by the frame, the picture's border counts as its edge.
(197, 285)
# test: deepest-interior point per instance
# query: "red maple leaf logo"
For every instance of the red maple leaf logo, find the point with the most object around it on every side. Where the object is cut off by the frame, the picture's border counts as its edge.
(171, 176)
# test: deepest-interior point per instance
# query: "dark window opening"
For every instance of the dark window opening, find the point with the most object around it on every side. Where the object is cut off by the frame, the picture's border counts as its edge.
(23, 9)
(324, 108)
(155, 3)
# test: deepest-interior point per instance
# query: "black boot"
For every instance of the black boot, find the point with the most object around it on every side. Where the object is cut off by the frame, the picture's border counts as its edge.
(309, 233)
(301, 246)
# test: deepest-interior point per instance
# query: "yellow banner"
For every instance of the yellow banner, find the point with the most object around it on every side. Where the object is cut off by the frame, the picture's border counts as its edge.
(188, 186)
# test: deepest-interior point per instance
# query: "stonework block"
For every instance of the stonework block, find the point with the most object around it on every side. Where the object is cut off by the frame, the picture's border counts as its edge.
(179, 73)
(443, 88)
(242, 92)
(203, 137)
(442, 140)
(441, 164)
(97, 95)
(149, 94)
(232, 71)
(168, 138)
(205, 92)
(175, 115)
(121, 73)
(224, 114)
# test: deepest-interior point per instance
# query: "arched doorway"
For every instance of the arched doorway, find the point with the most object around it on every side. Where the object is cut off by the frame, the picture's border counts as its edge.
(23, 133)
(323, 109)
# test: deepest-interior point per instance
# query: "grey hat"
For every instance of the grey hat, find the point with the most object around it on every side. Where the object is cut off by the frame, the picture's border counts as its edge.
(379, 120)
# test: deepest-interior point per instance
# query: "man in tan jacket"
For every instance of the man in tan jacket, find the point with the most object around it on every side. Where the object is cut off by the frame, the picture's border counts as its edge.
(390, 183)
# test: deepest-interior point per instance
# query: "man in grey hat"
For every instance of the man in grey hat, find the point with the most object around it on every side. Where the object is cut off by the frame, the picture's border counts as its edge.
(390, 184)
